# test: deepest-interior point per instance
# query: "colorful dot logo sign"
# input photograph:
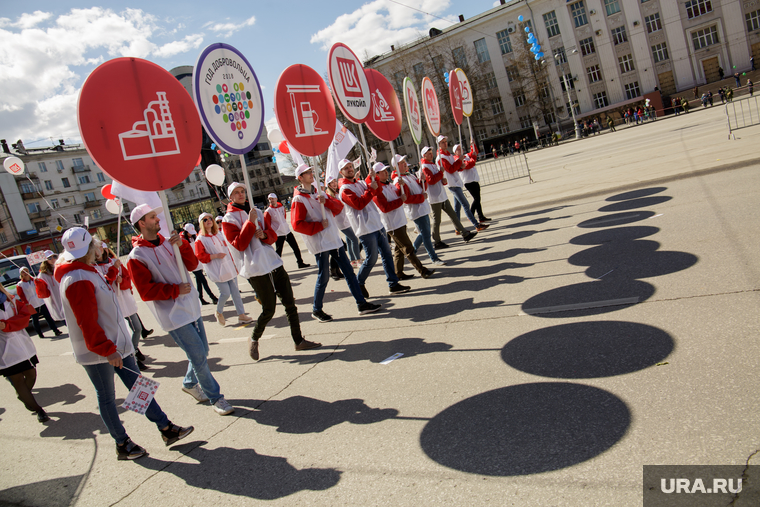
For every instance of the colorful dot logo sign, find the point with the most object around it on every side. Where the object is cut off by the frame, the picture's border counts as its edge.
(228, 96)
(430, 106)
(466, 92)
(384, 120)
(348, 82)
(148, 139)
(305, 110)
(455, 97)
(413, 111)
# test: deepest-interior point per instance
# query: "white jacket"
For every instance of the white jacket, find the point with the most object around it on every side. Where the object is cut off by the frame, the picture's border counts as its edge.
(453, 179)
(30, 293)
(392, 218)
(257, 258)
(218, 270)
(364, 220)
(306, 216)
(413, 211)
(53, 303)
(15, 346)
(436, 192)
(278, 220)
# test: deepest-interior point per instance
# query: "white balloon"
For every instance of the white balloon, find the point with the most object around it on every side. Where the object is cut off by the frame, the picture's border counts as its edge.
(14, 165)
(215, 174)
(113, 206)
(275, 137)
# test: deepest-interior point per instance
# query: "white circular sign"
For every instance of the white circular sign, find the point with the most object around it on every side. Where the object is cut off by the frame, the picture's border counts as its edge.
(466, 93)
(413, 111)
(14, 165)
(431, 106)
(348, 82)
(228, 96)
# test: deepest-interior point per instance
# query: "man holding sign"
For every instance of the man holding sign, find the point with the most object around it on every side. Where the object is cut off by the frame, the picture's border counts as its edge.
(174, 303)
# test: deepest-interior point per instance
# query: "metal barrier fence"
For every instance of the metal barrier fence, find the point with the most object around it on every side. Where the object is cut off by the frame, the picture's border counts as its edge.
(504, 168)
(742, 113)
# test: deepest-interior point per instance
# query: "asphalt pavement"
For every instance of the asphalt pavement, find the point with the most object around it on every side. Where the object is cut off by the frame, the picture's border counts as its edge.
(607, 320)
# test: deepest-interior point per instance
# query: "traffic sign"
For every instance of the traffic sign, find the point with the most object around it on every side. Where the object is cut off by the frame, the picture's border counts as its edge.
(384, 119)
(348, 82)
(466, 93)
(139, 124)
(304, 109)
(227, 93)
(431, 107)
(455, 97)
(413, 112)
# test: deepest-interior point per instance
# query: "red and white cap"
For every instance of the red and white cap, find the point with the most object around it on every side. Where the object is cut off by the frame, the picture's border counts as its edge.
(343, 163)
(76, 241)
(190, 229)
(425, 150)
(379, 166)
(49, 254)
(396, 159)
(233, 186)
(142, 210)
(272, 196)
(203, 215)
(302, 169)
(440, 138)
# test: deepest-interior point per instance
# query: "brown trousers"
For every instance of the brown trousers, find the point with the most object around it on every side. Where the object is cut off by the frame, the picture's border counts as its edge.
(446, 207)
(403, 247)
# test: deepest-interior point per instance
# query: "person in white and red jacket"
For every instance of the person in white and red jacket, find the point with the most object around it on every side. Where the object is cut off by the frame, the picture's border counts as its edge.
(26, 290)
(100, 339)
(471, 179)
(250, 234)
(453, 167)
(313, 216)
(367, 225)
(153, 267)
(47, 288)
(389, 200)
(278, 216)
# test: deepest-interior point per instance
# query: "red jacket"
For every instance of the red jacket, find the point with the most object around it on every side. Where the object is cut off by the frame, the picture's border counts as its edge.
(357, 202)
(41, 287)
(239, 238)
(469, 162)
(446, 166)
(21, 319)
(298, 213)
(381, 200)
(142, 278)
(431, 178)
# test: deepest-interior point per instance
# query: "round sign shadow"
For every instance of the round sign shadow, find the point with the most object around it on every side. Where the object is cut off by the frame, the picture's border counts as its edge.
(643, 202)
(614, 234)
(587, 298)
(616, 219)
(635, 194)
(526, 429)
(588, 349)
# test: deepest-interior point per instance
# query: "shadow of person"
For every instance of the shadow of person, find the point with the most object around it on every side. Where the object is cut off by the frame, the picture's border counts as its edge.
(178, 369)
(66, 393)
(244, 472)
(301, 414)
(372, 351)
(58, 492)
(74, 426)
(526, 429)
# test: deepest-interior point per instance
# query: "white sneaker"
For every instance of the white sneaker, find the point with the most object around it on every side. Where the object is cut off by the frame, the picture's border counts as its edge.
(222, 407)
(244, 319)
(438, 262)
(220, 318)
(196, 392)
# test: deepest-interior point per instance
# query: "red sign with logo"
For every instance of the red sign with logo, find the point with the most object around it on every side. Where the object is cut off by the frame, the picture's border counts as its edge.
(384, 119)
(430, 106)
(348, 82)
(304, 109)
(139, 124)
(455, 97)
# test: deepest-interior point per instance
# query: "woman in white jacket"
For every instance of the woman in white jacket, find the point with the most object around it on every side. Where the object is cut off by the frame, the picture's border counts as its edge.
(47, 287)
(211, 249)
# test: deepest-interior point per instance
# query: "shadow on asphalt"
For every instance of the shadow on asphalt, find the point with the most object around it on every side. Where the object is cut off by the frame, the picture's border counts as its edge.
(68, 394)
(57, 492)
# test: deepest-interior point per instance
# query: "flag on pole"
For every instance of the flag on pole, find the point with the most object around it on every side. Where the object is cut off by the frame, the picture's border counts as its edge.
(141, 394)
(140, 197)
(342, 143)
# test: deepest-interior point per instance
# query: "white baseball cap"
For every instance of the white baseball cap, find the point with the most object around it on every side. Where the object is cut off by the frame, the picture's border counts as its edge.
(233, 186)
(426, 149)
(379, 166)
(203, 215)
(142, 210)
(49, 254)
(456, 146)
(219, 218)
(441, 138)
(302, 169)
(272, 196)
(343, 163)
(190, 229)
(76, 241)
(24, 269)
(396, 159)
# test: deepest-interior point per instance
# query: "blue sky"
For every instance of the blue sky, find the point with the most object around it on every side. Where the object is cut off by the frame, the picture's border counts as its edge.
(46, 51)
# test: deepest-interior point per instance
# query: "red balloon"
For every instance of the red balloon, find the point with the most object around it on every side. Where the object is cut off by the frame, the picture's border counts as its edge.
(106, 191)
(284, 147)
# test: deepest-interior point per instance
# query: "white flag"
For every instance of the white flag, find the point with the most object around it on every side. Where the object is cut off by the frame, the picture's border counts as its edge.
(297, 158)
(342, 143)
(141, 394)
(139, 197)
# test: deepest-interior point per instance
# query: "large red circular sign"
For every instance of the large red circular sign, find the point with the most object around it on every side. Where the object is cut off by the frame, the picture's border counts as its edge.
(455, 96)
(139, 124)
(384, 118)
(430, 106)
(304, 109)
(348, 82)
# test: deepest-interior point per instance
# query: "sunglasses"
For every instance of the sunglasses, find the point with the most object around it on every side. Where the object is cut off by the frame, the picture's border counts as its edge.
(206, 220)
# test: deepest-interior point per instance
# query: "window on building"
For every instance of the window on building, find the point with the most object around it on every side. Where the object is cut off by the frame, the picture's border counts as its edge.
(78, 218)
(587, 46)
(48, 185)
(496, 106)
(490, 81)
(611, 6)
(550, 20)
(504, 43)
(626, 63)
(477, 111)
(419, 70)
(569, 80)
(653, 22)
(77, 162)
(519, 98)
(578, 11)
(97, 214)
(525, 122)
(501, 128)
(84, 179)
(460, 58)
(600, 100)
(33, 207)
(560, 56)
(753, 20)
(594, 74)
(202, 190)
(101, 177)
(512, 72)
(549, 118)
(197, 177)
(27, 188)
(42, 167)
(481, 134)
(3, 239)
(632, 90)
(59, 166)
(61, 222)
(618, 35)
(54, 203)
(482, 50)
(705, 37)
(660, 52)
(696, 8)
(89, 197)
(65, 182)
(192, 192)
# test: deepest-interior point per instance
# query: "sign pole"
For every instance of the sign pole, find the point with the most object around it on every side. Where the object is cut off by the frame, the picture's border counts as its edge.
(316, 181)
(246, 181)
(364, 145)
(118, 230)
(180, 265)
(469, 127)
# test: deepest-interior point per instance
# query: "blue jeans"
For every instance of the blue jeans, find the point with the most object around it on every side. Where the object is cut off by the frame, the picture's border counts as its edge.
(354, 249)
(227, 289)
(372, 243)
(191, 338)
(134, 324)
(323, 276)
(460, 201)
(423, 225)
(101, 376)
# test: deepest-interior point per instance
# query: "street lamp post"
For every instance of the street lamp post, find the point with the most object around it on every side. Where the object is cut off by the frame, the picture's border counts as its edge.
(569, 99)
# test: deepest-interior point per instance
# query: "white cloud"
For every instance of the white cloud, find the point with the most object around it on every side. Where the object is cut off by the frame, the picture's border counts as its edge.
(227, 29)
(45, 58)
(388, 22)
